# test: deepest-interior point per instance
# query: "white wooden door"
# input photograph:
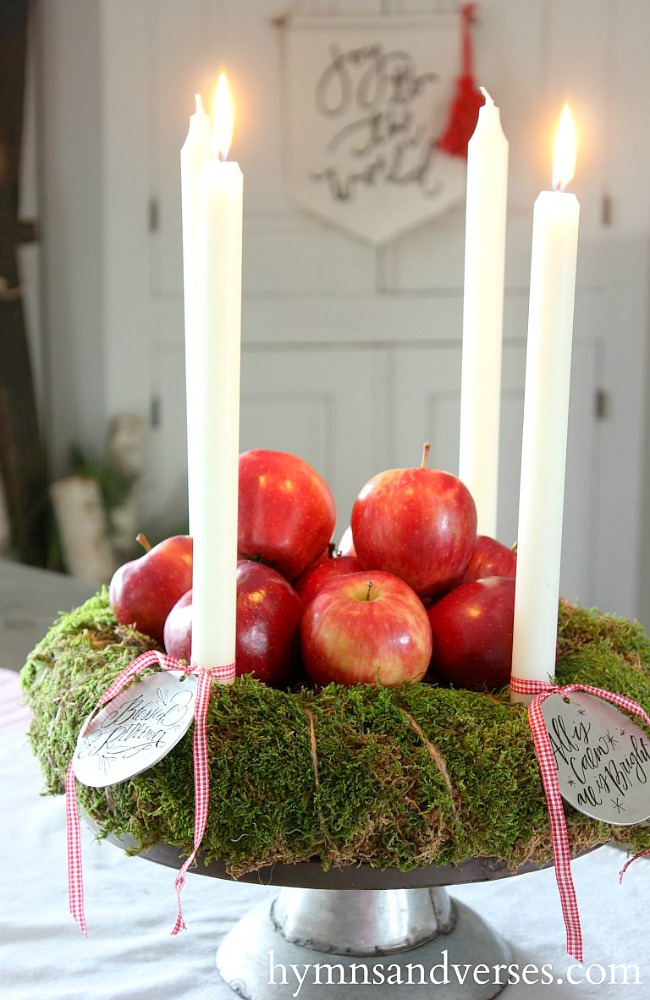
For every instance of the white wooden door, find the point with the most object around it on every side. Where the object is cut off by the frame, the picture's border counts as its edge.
(307, 285)
(320, 404)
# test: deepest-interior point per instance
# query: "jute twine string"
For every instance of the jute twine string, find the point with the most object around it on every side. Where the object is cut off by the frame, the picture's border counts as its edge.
(313, 749)
(435, 755)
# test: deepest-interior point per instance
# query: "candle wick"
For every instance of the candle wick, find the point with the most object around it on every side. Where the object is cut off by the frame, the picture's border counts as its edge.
(486, 95)
(223, 156)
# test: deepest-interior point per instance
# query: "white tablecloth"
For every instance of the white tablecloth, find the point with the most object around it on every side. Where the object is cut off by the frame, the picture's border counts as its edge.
(131, 907)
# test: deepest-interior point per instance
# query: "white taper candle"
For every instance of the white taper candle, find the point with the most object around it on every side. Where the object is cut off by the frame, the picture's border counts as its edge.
(546, 414)
(214, 407)
(485, 241)
(196, 152)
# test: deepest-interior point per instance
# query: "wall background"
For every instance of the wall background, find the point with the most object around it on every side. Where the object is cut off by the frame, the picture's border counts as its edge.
(349, 337)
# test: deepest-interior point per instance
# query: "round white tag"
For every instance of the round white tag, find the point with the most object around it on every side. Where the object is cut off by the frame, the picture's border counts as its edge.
(602, 758)
(136, 729)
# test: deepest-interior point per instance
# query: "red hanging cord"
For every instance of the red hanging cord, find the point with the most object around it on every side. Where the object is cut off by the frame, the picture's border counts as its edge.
(463, 113)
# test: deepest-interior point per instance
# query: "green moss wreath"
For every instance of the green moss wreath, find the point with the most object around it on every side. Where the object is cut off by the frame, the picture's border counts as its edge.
(393, 777)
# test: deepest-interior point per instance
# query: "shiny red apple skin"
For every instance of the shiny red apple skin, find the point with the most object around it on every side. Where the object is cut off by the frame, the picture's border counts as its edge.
(286, 511)
(267, 641)
(310, 582)
(490, 558)
(325, 555)
(471, 628)
(365, 628)
(419, 524)
(143, 591)
(268, 622)
(177, 634)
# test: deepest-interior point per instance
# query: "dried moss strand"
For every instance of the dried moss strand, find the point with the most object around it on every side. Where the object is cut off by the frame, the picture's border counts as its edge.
(313, 750)
(436, 757)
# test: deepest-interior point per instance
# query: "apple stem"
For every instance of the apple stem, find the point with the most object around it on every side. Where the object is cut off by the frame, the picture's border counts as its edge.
(142, 540)
(425, 454)
(369, 589)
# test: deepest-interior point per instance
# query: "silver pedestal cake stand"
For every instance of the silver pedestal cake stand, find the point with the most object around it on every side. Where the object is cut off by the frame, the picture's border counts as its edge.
(359, 931)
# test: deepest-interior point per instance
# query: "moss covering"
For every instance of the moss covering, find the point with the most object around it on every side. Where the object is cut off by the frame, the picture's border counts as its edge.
(396, 777)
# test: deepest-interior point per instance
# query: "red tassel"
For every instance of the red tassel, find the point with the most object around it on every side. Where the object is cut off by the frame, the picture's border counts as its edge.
(463, 114)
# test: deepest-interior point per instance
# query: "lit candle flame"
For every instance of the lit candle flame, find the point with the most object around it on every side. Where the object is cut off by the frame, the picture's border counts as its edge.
(222, 118)
(564, 162)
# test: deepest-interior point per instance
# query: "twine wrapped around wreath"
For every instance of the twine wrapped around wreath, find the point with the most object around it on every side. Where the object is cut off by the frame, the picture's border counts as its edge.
(393, 777)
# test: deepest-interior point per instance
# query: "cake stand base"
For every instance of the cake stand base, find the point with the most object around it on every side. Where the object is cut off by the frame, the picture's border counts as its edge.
(386, 943)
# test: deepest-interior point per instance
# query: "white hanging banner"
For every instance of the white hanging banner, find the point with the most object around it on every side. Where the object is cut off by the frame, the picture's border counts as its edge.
(365, 100)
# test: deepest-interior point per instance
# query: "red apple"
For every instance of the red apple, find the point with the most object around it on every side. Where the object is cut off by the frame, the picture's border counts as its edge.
(286, 511)
(472, 633)
(143, 591)
(365, 628)
(177, 634)
(490, 558)
(419, 524)
(268, 622)
(309, 583)
(268, 619)
(325, 555)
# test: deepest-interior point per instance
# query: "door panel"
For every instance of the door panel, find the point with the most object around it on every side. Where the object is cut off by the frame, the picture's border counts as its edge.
(318, 404)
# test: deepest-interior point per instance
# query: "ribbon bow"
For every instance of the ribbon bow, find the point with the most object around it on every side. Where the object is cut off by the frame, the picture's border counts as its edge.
(548, 770)
(151, 658)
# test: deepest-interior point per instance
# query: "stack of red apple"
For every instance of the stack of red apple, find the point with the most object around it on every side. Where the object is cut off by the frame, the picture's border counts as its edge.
(414, 592)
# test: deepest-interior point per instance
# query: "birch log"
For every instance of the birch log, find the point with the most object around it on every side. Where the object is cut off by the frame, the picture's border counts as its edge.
(83, 531)
(124, 454)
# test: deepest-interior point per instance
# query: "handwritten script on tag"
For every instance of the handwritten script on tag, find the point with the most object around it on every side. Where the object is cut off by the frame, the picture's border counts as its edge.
(602, 758)
(136, 729)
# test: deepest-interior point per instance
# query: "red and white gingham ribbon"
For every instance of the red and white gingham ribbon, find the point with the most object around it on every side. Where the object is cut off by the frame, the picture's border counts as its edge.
(548, 770)
(151, 658)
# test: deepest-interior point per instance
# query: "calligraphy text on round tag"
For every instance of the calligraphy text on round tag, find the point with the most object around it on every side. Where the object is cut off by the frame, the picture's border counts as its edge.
(136, 729)
(602, 758)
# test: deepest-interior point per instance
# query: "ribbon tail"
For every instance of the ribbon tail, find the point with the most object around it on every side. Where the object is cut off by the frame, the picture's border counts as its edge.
(548, 771)
(201, 785)
(569, 903)
(559, 835)
(149, 658)
(640, 854)
(75, 874)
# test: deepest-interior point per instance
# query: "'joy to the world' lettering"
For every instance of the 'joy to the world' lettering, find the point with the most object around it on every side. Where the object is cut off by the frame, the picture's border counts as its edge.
(380, 131)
